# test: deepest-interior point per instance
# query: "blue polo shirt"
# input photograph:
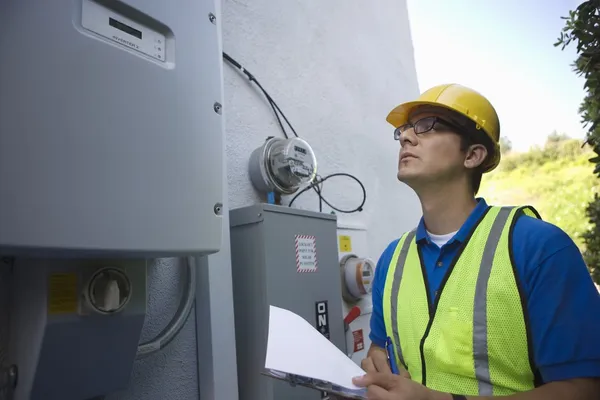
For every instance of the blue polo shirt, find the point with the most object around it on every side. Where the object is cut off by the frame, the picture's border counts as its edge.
(562, 301)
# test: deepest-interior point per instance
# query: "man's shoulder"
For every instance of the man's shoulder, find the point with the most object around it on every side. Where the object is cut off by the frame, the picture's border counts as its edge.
(537, 231)
(542, 247)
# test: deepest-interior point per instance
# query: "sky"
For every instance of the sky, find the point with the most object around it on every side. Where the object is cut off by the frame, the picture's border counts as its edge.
(505, 50)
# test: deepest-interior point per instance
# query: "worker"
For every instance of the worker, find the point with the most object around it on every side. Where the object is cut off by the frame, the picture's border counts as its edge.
(478, 301)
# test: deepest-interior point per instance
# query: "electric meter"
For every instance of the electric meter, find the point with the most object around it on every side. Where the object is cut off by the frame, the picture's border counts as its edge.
(282, 165)
(357, 277)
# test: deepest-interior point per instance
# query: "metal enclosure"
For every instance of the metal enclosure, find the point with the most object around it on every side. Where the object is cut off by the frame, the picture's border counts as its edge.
(63, 350)
(110, 127)
(265, 272)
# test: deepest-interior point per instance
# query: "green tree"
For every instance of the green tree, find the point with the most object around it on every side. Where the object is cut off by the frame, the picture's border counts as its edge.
(556, 137)
(582, 28)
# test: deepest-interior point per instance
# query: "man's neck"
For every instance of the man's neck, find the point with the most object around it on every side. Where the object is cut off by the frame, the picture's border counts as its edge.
(446, 209)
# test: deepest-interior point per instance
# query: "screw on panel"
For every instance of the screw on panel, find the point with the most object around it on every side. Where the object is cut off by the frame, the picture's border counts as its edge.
(212, 18)
(218, 107)
(218, 208)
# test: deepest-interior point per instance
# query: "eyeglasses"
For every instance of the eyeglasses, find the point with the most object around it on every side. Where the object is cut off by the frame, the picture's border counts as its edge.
(422, 126)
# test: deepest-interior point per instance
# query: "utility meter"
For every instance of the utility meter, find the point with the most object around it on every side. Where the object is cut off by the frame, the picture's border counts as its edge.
(357, 277)
(282, 165)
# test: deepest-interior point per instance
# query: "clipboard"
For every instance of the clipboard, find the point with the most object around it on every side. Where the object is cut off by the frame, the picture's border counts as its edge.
(323, 386)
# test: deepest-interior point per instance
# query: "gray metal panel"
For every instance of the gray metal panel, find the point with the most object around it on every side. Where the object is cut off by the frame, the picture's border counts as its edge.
(70, 356)
(264, 273)
(254, 213)
(102, 149)
(215, 327)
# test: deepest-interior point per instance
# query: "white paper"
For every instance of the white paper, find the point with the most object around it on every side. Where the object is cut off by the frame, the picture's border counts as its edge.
(295, 347)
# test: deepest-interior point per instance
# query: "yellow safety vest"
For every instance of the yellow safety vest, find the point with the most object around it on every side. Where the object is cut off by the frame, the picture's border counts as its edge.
(473, 339)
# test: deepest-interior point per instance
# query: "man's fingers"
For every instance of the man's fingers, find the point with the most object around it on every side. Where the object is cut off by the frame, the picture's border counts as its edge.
(381, 362)
(404, 373)
(382, 379)
(377, 393)
(367, 365)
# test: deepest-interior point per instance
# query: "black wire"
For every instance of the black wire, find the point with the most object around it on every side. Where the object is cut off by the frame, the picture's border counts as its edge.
(317, 184)
(320, 181)
(272, 102)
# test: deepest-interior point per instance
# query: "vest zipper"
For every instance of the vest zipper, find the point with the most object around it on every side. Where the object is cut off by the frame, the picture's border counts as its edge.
(432, 310)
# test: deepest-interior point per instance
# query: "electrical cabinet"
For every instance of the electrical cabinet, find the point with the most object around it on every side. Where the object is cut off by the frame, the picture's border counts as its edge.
(65, 342)
(286, 258)
(111, 131)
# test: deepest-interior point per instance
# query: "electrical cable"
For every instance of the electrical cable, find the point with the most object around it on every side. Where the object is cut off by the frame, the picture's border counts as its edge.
(181, 316)
(317, 183)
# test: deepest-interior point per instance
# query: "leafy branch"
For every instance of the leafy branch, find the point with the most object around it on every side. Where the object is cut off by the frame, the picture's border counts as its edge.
(582, 28)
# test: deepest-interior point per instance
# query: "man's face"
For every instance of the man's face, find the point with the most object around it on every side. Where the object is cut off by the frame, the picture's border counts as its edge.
(431, 156)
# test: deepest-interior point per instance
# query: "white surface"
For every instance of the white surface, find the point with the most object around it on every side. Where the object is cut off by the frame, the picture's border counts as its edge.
(95, 18)
(335, 71)
(295, 347)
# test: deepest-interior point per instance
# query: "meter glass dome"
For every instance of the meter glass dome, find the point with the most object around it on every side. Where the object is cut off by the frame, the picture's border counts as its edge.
(293, 162)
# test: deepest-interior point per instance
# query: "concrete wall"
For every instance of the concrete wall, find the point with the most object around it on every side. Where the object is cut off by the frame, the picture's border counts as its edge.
(335, 68)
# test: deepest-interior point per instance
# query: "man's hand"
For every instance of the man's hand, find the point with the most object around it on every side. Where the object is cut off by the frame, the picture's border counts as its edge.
(387, 386)
(376, 360)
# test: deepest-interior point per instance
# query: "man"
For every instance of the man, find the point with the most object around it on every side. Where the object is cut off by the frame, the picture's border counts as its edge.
(478, 301)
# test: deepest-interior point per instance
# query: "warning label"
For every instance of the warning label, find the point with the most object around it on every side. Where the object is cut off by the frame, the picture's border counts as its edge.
(62, 293)
(345, 243)
(306, 253)
(359, 340)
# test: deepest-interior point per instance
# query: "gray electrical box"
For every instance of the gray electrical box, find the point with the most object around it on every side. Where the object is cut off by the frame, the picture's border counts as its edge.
(111, 134)
(286, 258)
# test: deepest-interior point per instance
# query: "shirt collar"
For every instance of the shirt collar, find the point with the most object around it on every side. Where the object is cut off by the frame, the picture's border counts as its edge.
(463, 232)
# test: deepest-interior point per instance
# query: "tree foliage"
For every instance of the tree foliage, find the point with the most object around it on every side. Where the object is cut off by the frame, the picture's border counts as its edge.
(582, 28)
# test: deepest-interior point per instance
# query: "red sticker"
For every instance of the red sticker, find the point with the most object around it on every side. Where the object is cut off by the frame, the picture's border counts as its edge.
(359, 340)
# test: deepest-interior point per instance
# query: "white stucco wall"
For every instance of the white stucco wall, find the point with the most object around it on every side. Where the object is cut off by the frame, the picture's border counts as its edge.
(335, 68)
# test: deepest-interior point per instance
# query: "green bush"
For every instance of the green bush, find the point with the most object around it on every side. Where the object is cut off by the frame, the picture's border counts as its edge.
(583, 28)
(555, 179)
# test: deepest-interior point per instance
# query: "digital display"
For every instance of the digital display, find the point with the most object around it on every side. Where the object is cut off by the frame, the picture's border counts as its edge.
(366, 273)
(125, 28)
(300, 150)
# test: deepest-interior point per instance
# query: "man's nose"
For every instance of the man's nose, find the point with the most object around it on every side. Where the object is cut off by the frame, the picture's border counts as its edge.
(408, 137)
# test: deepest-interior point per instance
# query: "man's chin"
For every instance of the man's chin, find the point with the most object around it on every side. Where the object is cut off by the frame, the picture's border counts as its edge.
(404, 177)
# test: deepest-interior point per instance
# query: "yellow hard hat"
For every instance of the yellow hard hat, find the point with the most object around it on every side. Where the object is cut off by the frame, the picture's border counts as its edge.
(464, 101)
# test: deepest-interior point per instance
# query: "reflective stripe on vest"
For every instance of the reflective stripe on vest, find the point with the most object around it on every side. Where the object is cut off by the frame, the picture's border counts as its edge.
(473, 339)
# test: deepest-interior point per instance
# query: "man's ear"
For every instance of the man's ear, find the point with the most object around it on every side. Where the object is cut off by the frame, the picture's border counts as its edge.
(475, 156)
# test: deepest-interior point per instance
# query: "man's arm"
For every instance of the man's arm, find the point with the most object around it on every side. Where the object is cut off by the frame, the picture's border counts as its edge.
(376, 359)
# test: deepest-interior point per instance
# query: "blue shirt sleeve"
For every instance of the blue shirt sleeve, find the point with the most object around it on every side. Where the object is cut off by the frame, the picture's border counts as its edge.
(378, 335)
(562, 301)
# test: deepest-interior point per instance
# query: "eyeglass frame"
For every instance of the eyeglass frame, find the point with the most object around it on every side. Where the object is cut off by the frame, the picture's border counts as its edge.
(436, 120)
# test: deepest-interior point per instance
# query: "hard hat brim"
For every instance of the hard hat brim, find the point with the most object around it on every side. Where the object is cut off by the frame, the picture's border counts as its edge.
(400, 114)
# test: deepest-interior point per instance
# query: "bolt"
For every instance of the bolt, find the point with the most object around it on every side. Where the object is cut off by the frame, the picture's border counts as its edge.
(218, 209)
(212, 18)
(217, 107)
